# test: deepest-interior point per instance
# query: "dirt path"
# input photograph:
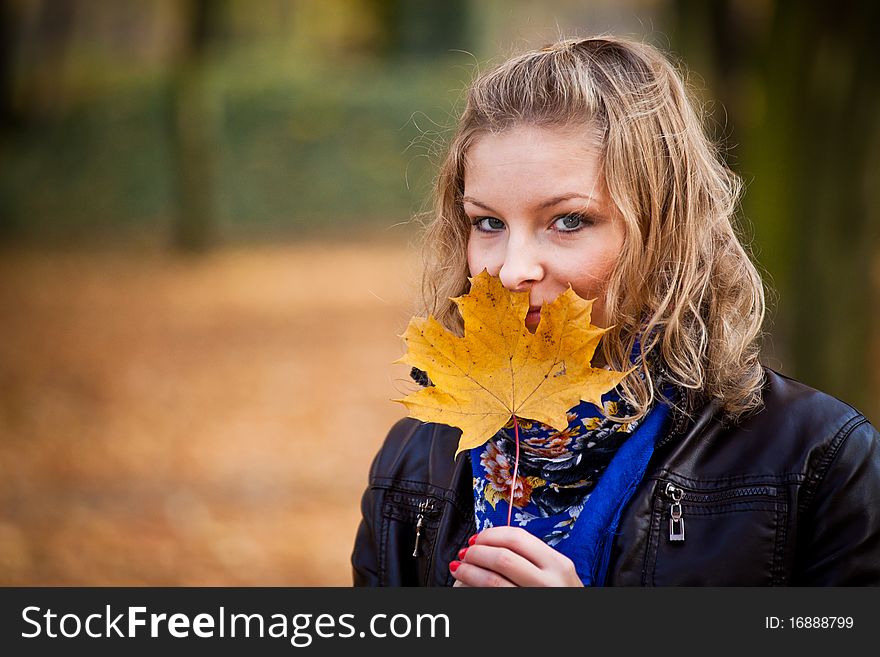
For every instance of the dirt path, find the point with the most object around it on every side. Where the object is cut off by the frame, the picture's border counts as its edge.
(194, 422)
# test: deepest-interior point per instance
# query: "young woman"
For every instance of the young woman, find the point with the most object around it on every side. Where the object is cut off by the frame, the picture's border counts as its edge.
(585, 163)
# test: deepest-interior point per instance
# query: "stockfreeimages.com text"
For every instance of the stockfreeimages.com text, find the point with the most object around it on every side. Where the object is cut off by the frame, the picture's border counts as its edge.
(300, 629)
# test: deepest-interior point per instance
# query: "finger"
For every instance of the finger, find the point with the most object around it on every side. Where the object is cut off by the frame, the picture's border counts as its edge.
(470, 575)
(518, 540)
(505, 562)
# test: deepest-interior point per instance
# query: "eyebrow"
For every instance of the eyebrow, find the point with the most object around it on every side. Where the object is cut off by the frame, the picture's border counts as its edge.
(549, 203)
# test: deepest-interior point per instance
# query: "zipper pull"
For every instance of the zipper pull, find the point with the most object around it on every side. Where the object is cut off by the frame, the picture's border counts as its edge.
(423, 507)
(676, 516)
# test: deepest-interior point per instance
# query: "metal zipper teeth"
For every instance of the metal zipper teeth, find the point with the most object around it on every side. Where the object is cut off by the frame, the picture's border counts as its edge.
(431, 509)
(752, 491)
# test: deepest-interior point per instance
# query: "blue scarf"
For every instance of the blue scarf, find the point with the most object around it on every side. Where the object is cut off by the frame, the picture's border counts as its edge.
(572, 485)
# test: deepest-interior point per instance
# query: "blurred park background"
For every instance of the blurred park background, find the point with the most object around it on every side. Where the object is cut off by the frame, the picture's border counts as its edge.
(207, 249)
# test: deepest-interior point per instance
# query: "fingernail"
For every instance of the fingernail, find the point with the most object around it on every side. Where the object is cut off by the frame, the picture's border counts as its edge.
(462, 552)
(453, 566)
(472, 539)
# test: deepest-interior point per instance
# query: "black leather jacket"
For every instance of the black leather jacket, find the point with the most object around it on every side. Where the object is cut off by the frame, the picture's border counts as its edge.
(789, 496)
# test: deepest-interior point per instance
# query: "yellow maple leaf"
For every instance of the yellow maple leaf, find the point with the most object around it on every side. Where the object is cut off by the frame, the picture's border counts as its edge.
(499, 369)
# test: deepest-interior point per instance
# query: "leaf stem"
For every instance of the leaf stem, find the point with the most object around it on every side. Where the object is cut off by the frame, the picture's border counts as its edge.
(515, 470)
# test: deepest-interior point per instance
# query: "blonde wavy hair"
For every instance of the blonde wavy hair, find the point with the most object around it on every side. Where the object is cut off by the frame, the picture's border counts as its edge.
(683, 286)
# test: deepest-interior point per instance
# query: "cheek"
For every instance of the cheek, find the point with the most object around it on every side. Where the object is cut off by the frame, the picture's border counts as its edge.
(470, 257)
(593, 284)
(478, 259)
(591, 278)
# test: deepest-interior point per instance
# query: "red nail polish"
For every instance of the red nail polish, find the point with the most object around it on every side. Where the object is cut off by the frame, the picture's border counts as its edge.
(472, 539)
(462, 552)
(453, 566)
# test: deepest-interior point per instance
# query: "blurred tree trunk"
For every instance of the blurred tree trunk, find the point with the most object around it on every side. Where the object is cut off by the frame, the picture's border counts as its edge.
(195, 127)
(35, 41)
(33, 85)
(420, 28)
(842, 110)
(801, 88)
(7, 66)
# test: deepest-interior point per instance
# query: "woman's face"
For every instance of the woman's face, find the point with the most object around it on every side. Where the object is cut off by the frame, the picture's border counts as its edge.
(541, 215)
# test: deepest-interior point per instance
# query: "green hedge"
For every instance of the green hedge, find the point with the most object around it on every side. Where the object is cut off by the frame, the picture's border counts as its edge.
(310, 150)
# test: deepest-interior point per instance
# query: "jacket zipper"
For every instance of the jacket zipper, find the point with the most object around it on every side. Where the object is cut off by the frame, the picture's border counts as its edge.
(676, 494)
(425, 506)
(676, 515)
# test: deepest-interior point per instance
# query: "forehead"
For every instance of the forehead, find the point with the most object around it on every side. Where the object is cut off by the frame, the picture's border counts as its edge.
(534, 161)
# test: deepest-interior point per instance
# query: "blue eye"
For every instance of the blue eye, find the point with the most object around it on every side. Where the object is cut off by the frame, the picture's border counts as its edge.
(488, 224)
(570, 223)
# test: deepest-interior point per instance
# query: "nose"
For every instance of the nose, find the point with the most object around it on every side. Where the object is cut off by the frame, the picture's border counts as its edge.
(522, 266)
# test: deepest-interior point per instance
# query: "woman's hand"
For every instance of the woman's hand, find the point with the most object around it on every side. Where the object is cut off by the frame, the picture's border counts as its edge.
(510, 556)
